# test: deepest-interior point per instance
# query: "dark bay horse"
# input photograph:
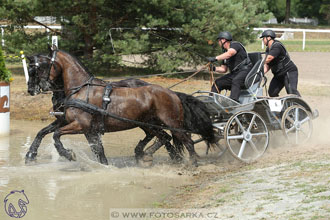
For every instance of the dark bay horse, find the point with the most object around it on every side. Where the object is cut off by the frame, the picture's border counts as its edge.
(150, 105)
(143, 158)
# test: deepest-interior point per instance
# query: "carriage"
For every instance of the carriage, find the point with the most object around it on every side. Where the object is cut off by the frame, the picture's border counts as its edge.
(246, 125)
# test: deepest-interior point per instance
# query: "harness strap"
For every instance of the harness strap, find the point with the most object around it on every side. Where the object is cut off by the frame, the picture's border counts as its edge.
(92, 109)
(106, 96)
(105, 102)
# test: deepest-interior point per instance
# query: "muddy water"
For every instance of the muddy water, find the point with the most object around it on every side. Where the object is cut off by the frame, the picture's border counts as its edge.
(58, 189)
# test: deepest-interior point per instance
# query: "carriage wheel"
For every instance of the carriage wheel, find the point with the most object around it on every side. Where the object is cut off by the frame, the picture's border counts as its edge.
(217, 145)
(246, 136)
(297, 124)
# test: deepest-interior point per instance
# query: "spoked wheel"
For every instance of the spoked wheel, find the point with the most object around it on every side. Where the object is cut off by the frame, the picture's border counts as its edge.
(220, 148)
(246, 136)
(297, 124)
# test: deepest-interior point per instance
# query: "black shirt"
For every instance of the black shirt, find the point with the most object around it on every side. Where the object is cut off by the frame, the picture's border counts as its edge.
(241, 55)
(278, 52)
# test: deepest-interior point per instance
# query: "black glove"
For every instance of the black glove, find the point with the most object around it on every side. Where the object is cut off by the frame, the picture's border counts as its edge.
(212, 59)
(212, 67)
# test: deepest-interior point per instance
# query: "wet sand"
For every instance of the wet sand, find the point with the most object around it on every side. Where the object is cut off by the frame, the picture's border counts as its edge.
(59, 189)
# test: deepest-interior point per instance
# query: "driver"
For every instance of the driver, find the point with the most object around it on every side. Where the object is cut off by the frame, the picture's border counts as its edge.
(235, 58)
(278, 60)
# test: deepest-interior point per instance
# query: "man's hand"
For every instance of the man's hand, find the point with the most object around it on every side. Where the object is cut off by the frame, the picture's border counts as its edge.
(212, 59)
(212, 67)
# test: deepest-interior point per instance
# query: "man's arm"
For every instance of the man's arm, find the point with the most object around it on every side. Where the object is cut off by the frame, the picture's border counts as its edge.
(221, 69)
(269, 59)
(231, 52)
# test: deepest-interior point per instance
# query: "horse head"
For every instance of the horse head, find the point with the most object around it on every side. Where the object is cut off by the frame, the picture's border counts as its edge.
(43, 71)
(33, 83)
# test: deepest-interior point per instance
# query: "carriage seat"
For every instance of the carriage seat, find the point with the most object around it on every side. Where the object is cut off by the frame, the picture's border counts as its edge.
(253, 79)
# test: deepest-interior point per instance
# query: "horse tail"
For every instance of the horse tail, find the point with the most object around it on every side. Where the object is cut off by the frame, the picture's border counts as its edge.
(178, 146)
(196, 117)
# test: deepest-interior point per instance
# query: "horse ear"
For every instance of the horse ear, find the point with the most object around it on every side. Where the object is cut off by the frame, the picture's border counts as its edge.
(50, 48)
(29, 58)
(54, 47)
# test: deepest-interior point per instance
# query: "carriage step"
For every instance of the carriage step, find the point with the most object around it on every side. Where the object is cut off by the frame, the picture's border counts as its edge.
(56, 113)
(220, 126)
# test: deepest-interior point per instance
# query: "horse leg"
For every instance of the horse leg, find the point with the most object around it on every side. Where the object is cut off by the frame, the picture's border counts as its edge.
(189, 144)
(164, 139)
(72, 128)
(142, 143)
(33, 150)
(95, 142)
(175, 151)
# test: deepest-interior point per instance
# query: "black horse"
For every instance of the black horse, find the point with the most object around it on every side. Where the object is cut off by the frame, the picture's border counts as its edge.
(153, 106)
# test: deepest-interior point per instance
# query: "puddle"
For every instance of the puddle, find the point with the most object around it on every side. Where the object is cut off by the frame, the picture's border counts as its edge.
(85, 189)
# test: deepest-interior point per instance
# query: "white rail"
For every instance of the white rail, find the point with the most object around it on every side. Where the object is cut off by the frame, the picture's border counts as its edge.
(27, 27)
(304, 31)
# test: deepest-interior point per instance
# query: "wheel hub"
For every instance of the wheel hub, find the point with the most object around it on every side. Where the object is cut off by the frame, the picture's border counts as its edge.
(247, 136)
(297, 125)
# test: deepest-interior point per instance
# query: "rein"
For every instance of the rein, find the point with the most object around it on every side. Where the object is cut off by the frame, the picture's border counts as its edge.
(189, 77)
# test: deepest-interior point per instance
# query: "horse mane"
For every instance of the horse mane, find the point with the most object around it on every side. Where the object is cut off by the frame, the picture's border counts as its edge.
(79, 62)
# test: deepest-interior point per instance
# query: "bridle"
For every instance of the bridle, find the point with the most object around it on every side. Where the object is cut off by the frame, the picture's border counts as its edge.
(45, 78)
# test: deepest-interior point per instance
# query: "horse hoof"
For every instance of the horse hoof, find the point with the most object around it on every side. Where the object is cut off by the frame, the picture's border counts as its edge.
(30, 158)
(104, 161)
(193, 163)
(145, 161)
(71, 155)
(139, 157)
(177, 160)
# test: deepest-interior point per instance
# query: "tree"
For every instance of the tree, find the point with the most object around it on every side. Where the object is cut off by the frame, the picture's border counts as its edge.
(287, 11)
(5, 74)
(325, 13)
(314, 9)
(168, 33)
(283, 10)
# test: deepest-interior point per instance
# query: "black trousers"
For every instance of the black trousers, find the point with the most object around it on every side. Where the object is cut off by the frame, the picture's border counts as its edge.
(231, 81)
(289, 80)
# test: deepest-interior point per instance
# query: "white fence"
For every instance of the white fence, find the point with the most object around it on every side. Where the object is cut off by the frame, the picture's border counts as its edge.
(28, 27)
(291, 30)
(287, 31)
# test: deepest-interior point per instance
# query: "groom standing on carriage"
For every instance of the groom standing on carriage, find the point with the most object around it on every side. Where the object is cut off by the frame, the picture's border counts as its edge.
(278, 60)
(236, 59)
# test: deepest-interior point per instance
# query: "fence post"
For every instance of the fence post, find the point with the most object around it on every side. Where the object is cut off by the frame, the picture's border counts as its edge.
(2, 34)
(304, 39)
(4, 109)
(26, 73)
(55, 41)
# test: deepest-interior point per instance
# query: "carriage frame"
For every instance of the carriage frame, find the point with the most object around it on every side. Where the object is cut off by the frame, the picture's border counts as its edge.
(245, 126)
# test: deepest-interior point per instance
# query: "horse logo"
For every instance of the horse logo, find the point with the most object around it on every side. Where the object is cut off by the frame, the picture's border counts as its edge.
(15, 204)
(4, 104)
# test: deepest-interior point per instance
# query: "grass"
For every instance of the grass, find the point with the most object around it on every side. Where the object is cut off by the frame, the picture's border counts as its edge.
(224, 189)
(259, 181)
(259, 208)
(322, 45)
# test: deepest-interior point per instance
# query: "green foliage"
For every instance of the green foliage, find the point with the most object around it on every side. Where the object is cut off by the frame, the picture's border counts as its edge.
(5, 74)
(319, 9)
(325, 12)
(166, 33)
(30, 43)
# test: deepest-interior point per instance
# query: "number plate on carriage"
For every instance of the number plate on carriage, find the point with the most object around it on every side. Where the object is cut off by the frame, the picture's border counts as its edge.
(275, 105)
